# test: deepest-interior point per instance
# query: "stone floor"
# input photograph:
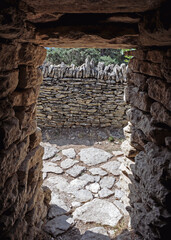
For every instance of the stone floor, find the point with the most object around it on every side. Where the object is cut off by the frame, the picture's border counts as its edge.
(86, 195)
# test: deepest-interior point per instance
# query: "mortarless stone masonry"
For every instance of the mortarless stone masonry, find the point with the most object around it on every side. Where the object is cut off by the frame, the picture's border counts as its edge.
(82, 96)
(25, 27)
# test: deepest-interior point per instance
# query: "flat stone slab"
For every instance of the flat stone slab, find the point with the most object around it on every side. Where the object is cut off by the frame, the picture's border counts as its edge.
(97, 233)
(98, 211)
(89, 179)
(93, 156)
(56, 182)
(98, 171)
(49, 150)
(76, 170)
(51, 167)
(58, 225)
(107, 182)
(112, 167)
(94, 187)
(117, 153)
(57, 158)
(83, 195)
(105, 192)
(67, 163)
(70, 152)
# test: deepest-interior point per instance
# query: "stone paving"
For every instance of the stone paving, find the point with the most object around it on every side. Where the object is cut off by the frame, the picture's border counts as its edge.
(85, 190)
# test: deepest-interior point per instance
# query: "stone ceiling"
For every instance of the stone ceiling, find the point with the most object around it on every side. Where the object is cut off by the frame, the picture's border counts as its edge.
(91, 23)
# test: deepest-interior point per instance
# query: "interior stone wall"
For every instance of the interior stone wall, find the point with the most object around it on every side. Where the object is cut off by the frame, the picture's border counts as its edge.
(28, 25)
(82, 96)
(146, 166)
(23, 202)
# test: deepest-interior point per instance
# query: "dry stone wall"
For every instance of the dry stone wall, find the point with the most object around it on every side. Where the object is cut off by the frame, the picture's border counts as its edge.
(82, 96)
(23, 202)
(146, 166)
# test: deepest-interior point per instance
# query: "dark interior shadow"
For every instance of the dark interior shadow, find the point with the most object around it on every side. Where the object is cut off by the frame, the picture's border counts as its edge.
(57, 227)
(80, 135)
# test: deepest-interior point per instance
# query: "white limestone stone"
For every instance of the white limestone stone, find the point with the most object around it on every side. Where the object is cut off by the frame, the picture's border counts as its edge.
(76, 170)
(83, 195)
(98, 171)
(93, 156)
(67, 163)
(105, 192)
(70, 152)
(51, 167)
(107, 182)
(98, 211)
(112, 167)
(94, 187)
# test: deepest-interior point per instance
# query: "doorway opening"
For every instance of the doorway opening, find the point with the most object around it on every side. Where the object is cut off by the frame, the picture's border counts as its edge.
(81, 113)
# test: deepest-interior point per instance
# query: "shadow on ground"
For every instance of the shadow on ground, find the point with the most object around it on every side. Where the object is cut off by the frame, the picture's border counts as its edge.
(80, 135)
(61, 227)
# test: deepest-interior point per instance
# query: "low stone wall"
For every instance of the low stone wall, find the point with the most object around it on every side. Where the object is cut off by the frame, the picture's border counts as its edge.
(82, 96)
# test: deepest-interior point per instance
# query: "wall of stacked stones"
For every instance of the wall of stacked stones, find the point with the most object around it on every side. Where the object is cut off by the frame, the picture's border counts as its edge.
(146, 167)
(82, 96)
(23, 202)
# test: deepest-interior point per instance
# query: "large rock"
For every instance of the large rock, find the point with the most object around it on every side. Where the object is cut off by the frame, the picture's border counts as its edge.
(58, 225)
(98, 211)
(93, 156)
(160, 114)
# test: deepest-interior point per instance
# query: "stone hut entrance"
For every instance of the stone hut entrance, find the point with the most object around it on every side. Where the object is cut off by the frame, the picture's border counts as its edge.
(26, 27)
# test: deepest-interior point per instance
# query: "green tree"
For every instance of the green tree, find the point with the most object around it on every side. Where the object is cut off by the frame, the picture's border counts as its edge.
(77, 56)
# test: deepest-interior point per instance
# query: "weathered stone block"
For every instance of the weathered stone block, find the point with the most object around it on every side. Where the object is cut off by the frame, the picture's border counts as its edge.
(160, 91)
(24, 97)
(35, 138)
(144, 122)
(9, 193)
(137, 98)
(138, 80)
(155, 56)
(25, 115)
(6, 109)
(8, 83)
(12, 158)
(151, 69)
(31, 54)
(129, 151)
(9, 132)
(160, 113)
(29, 76)
(9, 57)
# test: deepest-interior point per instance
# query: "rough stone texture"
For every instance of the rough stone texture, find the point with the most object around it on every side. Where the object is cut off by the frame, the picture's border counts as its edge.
(97, 233)
(93, 156)
(58, 225)
(51, 167)
(87, 86)
(112, 167)
(70, 152)
(126, 24)
(99, 211)
(76, 170)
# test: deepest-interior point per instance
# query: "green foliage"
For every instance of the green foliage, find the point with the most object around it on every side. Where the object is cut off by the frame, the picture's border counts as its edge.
(111, 139)
(77, 56)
